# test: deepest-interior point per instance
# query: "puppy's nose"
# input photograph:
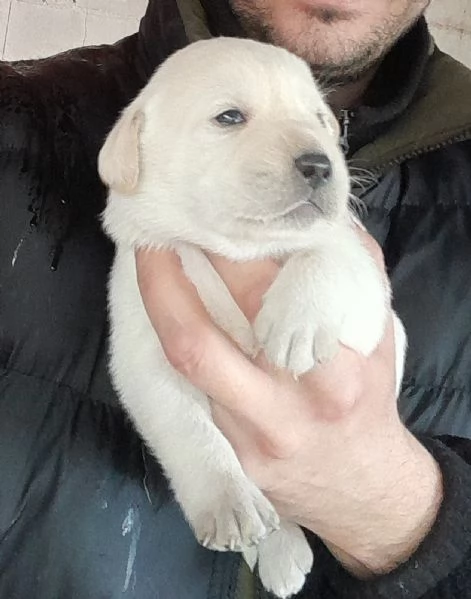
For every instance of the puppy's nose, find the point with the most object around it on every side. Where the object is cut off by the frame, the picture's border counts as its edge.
(315, 168)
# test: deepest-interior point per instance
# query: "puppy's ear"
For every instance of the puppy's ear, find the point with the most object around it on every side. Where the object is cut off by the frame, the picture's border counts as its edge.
(119, 158)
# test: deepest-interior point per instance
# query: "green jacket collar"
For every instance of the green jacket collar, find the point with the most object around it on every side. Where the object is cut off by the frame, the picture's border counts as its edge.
(438, 117)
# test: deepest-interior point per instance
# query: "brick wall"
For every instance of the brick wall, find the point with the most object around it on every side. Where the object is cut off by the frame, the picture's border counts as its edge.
(35, 28)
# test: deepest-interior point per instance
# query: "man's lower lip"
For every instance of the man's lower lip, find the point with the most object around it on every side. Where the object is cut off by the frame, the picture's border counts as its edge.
(340, 5)
(342, 8)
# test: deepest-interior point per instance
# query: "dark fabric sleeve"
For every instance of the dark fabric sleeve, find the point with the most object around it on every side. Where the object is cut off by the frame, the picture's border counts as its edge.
(441, 566)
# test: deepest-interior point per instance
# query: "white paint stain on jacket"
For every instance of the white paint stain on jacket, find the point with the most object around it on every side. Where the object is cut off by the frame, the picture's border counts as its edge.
(15, 253)
(131, 526)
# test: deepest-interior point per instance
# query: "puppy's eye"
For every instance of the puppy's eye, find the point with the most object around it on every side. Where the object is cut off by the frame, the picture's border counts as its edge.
(230, 117)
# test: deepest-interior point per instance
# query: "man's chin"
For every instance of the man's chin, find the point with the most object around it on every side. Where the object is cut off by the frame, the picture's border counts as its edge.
(334, 55)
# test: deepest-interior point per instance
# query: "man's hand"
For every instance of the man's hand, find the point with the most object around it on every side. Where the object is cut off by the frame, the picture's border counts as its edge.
(328, 450)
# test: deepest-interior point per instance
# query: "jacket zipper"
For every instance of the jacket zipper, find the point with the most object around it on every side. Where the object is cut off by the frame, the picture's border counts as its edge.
(345, 120)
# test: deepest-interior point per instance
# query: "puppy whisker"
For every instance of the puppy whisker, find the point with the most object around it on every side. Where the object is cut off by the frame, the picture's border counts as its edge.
(357, 205)
(362, 176)
(362, 183)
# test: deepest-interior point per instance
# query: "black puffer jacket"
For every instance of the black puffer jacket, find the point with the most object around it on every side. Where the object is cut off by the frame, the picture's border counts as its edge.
(85, 513)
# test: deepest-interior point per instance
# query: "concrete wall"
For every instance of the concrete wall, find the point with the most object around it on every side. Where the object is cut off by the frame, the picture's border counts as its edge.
(35, 28)
(451, 25)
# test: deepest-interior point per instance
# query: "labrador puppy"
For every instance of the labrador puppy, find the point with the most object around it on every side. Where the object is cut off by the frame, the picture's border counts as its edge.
(231, 149)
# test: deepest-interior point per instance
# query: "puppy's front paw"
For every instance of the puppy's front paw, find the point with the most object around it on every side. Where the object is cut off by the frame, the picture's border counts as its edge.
(321, 299)
(284, 560)
(238, 517)
(292, 332)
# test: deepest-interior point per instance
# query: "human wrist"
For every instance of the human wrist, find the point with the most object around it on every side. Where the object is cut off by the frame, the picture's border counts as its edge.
(402, 496)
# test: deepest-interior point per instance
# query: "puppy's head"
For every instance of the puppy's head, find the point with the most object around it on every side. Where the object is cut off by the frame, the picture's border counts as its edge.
(231, 141)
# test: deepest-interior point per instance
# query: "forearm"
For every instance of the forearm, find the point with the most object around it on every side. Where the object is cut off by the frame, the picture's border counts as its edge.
(404, 511)
(438, 566)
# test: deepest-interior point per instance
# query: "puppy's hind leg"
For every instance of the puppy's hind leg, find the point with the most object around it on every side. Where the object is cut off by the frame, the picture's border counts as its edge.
(224, 508)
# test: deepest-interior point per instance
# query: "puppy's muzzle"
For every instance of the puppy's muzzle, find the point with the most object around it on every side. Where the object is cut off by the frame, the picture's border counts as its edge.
(315, 168)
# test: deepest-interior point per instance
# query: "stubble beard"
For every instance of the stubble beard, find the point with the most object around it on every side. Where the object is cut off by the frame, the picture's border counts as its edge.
(352, 58)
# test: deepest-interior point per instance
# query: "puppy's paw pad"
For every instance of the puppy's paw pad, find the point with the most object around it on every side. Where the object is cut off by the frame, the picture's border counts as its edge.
(284, 560)
(294, 341)
(286, 341)
(325, 346)
(240, 517)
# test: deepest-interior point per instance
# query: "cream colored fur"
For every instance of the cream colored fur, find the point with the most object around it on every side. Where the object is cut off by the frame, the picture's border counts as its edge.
(178, 179)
